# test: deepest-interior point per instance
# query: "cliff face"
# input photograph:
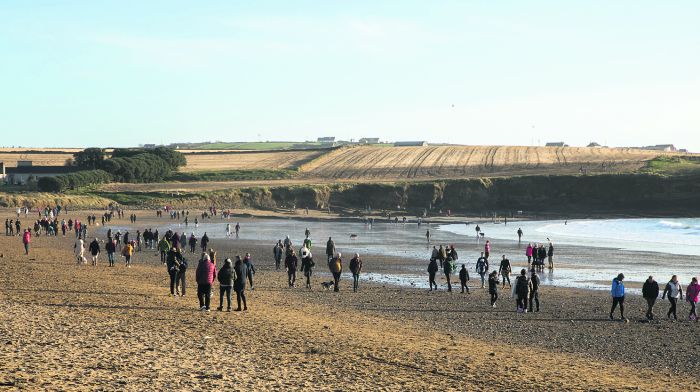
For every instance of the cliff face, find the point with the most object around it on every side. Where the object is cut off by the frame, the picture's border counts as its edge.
(633, 194)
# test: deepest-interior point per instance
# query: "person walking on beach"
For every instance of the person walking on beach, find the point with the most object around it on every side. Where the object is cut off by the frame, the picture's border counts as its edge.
(94, 248)
(534, 286)
(237, 228)
(239, 283)
(447, 270)
(193, 243)
(250, 268)
(181, 278)
(477, 229)
(550, 255)
(26, 239)
(692, 295)
(228, 231)
(650, 292)
(675, 292)
(493, 288)
(617, 292)
(288, 244)
(356, 268)
(79, 250)
(487, 249)
(522, 289)
(307, 265)
(427, 236)
(463, 278)
(173, 261)
(204, 242)
(504, 270)
(111, 248)
(432, 270)
(205, 275)
(307, 233)
(330, 248)
(163, 247)
(520, 234)
(482, 267)
(541, 255)
(277, 252)
(336, 267)
(290, 264)
(128, 252)
(226, 277)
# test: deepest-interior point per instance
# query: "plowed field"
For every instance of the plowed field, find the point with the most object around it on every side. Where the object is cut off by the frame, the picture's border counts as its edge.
(249, 160)
(464, 161)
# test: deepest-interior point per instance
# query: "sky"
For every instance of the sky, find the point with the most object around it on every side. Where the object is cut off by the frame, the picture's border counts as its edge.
(123, 73)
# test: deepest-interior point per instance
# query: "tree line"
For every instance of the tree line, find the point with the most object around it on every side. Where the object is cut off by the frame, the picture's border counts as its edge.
(124, 165)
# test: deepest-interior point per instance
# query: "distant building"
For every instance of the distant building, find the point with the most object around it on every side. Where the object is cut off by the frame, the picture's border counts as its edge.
(594, 145)
(556, 144)
(661, 147)
(2, 171)
(369, 140)
(149, 146)
(326, 139)
(411, 144)
(683, 150)
(26, 172)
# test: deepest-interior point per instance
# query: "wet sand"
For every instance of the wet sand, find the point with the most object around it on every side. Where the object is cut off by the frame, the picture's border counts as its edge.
(72, 327)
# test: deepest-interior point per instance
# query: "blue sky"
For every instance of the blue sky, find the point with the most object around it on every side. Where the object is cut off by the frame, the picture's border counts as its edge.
(119, 73)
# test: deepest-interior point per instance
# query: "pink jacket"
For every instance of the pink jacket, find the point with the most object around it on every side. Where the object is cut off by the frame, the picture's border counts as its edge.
(528, 251)
(206, 272)
(487, 248)
(692, 292)
(27, 237)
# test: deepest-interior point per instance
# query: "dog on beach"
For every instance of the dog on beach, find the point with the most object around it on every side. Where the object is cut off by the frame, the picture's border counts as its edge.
(327, 285)
(353, 236)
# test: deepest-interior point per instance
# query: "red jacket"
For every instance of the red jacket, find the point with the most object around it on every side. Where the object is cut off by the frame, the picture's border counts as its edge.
(27, 237)
(206, 272)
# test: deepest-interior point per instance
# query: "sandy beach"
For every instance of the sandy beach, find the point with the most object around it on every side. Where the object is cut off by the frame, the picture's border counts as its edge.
(69, 327)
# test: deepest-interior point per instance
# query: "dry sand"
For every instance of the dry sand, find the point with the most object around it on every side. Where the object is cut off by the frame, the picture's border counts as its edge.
(68, 327)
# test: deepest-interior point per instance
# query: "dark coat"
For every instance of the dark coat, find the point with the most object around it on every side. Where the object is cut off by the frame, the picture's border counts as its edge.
(241, 274)
(291, 263)
(226, 275)
(650, 289)
(94, 248)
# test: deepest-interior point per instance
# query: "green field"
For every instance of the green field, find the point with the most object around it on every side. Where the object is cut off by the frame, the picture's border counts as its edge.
(231, 175)
(253, 145)
(669, 165)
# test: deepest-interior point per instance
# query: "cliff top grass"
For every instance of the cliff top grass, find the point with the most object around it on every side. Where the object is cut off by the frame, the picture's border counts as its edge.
(673, 165)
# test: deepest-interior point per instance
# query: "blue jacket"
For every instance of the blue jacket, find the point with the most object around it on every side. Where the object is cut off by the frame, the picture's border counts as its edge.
(618, 289)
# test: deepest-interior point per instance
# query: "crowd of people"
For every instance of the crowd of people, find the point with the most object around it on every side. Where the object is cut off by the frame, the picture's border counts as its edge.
(235, 275)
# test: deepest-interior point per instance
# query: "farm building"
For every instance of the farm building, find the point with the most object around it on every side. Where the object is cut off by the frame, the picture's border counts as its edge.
(25, 172)
(2, 171)
(411, 144)
(594, 145)
(330, 139)
(369, 140)
(556, 144)
(661, 147)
